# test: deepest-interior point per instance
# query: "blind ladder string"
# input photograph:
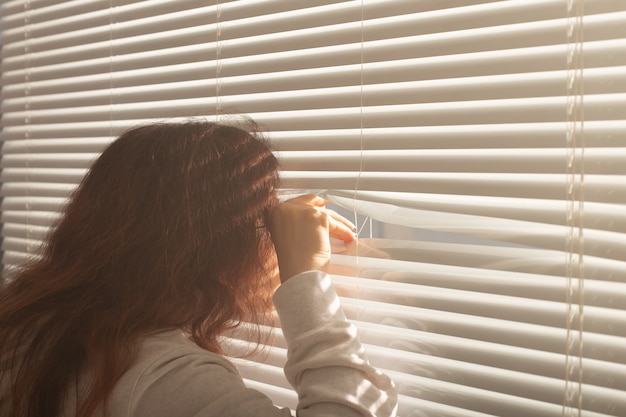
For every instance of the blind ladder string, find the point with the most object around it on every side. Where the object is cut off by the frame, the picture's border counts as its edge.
(573, 395)
(27, 120)
(359, 228)
(111, 53)
(218, 47)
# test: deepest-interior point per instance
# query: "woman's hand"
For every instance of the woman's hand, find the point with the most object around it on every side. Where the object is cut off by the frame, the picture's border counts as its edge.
(301, 228)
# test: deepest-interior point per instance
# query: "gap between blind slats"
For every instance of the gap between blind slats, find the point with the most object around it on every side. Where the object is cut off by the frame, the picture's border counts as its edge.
(599, 243)
(606, 243)
(604, 216)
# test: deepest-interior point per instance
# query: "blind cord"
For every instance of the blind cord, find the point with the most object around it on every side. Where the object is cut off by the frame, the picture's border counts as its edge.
(575, 146)
(27, 121)
(218, 48)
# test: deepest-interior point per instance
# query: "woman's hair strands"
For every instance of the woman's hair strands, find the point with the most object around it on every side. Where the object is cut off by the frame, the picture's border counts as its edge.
(163, 232)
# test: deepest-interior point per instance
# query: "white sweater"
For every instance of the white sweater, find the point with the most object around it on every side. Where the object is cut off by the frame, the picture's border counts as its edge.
(326, 365)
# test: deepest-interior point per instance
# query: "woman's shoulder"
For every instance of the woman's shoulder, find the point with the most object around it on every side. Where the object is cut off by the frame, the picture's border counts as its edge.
(172, 344)
(172, 351)
(169, 371)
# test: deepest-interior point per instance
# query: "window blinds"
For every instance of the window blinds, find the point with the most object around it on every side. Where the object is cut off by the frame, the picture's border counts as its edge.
(480, 145)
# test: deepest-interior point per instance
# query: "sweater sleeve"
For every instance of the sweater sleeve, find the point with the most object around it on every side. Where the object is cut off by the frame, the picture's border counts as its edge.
(326, 363)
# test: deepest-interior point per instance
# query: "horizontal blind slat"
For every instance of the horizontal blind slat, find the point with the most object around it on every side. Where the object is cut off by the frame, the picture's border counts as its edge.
(31, 189)
(34, 203)
(602, 189)
(44, 175)
(21, 217)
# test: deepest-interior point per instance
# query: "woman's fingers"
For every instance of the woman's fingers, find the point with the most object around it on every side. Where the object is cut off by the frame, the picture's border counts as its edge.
(340, 218)
(317, 201)
(310, 199)
(339, 230)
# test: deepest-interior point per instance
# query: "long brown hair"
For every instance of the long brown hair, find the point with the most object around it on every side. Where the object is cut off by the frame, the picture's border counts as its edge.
(165, 231)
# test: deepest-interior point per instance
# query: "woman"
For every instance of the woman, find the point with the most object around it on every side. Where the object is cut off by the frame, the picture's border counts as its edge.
(172, 239)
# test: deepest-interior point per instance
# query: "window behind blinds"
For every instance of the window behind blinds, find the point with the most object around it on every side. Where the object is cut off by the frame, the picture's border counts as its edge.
(480, 146)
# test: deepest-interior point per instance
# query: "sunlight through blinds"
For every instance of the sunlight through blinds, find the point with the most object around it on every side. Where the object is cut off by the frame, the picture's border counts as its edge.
(479, 145)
